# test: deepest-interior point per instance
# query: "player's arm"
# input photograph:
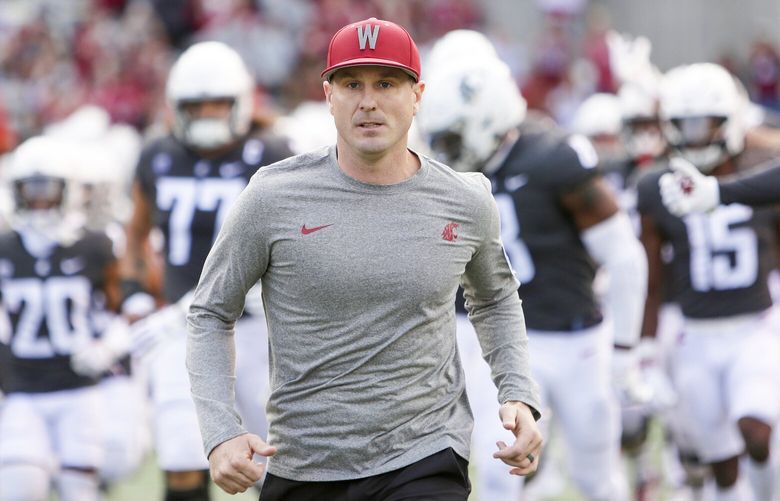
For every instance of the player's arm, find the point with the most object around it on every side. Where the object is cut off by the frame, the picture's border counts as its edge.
(136, 265)
(652, 240)
(759, 188)
(112, 285)
(763, 137)
(591, 203)
(608, 236)
(101, 354)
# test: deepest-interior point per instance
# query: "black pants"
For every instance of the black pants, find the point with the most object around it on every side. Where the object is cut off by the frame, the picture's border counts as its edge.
(440, 477)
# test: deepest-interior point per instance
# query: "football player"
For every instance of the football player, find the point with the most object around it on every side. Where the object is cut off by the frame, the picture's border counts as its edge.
(724, 365)
(559, 220)
(96, 193)
(54, 278)
(184, 185)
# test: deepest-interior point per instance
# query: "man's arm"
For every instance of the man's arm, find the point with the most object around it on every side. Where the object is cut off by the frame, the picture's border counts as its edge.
(494, 307)
(495, 310)
(236, 262)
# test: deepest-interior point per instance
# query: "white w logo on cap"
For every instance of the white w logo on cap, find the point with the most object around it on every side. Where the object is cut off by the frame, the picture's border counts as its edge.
(367, 36)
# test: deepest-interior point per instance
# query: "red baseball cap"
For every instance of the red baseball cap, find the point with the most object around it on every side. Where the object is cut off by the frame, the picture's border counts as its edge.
(373, 42)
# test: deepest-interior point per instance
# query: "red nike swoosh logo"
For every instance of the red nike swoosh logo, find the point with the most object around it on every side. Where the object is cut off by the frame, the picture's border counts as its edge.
(306, 231)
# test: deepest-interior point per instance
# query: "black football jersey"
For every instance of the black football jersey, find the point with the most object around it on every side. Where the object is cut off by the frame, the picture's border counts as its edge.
(539, 235)
(720, 259)
(46, 310)
(190, 197)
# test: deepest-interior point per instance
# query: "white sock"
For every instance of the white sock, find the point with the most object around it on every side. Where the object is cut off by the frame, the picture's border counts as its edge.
(74, 485)
(762, 478)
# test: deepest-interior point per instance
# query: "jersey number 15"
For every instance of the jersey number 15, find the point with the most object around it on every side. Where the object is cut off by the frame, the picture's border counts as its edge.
(722, 257)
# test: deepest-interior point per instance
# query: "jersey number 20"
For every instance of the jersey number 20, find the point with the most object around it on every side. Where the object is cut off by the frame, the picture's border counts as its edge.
(61, 302)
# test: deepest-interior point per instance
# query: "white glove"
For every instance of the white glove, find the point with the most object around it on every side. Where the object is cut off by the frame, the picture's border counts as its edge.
(687, 190)
(100, 355)
(164, 324)
(155, 329)
(138, 305)
(663, 394)
(627, 377)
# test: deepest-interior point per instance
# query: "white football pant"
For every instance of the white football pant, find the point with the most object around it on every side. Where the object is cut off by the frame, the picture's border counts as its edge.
(726, 369)
(42, 434)
(176, 431)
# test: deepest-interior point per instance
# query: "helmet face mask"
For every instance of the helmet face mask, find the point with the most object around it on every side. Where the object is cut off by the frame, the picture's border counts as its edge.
(39, 202)
(39, 192)
(208, 129)
(448, 148)
(701, 140)
(697, 131)
(643, 138)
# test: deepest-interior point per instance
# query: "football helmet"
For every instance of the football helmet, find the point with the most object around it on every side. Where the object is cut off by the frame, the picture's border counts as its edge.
(97, 186)
(467, 111)
(36, 181)
(87, 122)
(457, 45)
(308, 127)
(210, 71)
(703, 109)
(599, 119)
(641, 132)
(598, 115)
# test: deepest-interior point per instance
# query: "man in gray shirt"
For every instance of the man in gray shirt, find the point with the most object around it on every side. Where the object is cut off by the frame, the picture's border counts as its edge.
(360, 249)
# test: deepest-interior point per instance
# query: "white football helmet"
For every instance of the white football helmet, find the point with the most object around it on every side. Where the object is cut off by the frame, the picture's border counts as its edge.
(35, 178)
(204, 72)
(598, 115)
(458, 45)
(598, 118)
(87, 122)
(467, 110)
(703, 111)
(98, 188)
(308, 127)
(642, 135)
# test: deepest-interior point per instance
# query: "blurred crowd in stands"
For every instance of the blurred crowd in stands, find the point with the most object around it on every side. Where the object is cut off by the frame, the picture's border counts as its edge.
(116, 53)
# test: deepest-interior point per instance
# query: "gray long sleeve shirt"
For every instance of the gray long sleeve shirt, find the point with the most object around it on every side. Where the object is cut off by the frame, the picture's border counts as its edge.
(358, 282)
